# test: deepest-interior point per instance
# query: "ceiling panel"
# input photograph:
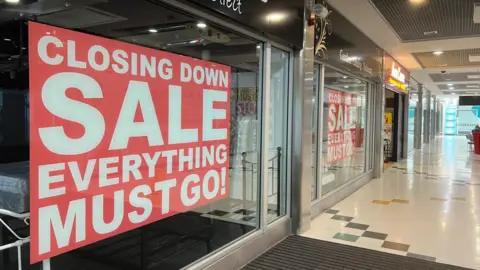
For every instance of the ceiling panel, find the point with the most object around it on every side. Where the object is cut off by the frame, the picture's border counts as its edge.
(429, 19)
(455, 58)
(463, 86)
(455, 77)
(461, 93)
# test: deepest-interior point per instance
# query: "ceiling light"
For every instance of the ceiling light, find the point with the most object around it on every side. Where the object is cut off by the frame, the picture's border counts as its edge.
(452, 93)
(7, 39)
(430, 33)
(201, 25)
(276, 17)
(474, 57)
(476, 13)
(258, 46)
(12, 1)
(451, 88)
(437, 52)
(450, 84)
(346, 86)
(152, 30)
(417, 2)
(344, 77)
(473, 76)
(473, 86)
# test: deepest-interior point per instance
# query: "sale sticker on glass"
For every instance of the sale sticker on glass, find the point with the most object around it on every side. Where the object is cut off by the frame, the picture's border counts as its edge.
(121, 136)
(342, 109)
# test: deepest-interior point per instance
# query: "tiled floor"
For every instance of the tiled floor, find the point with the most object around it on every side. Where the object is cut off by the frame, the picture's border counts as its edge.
(427, 206)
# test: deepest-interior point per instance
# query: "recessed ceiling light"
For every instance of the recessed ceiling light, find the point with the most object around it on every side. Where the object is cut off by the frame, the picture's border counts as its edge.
(346, 86)
(12, 1)
(452, 93)
(450, 84)
(152, 30)
(201, 25)
(258, 46)
(7, 39)
(451, 88)
(276, 17)
(344, 77)
(417, 2)
(437, 52)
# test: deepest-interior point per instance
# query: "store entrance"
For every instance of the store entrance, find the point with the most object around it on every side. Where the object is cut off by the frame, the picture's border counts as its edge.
(393, 127)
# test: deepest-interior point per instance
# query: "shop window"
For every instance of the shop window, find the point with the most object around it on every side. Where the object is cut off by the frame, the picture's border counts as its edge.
(278, 135)
(185, 234)
(412, 113)
(315, 117)
(344, 130)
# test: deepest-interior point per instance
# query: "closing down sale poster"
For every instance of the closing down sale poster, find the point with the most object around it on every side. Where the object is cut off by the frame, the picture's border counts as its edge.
(341, 125)
(121, 136)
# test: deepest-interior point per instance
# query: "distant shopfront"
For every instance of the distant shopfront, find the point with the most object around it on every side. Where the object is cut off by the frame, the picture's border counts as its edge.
(396, 81)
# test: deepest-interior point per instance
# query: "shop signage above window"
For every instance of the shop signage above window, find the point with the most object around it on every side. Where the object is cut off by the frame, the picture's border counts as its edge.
(396, 76)
(269, 16)
(356, 62)
(106, 158)
(340, 44)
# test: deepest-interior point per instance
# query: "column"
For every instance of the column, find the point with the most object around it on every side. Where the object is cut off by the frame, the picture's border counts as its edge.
(301, 157)
(433, 118)
(418, 118)
(379, 111)
(406, 119)
(426, 124)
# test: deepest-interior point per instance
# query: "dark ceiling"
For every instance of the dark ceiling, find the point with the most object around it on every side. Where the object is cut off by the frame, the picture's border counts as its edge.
(455, 58)
(121, 20)
(432, 19)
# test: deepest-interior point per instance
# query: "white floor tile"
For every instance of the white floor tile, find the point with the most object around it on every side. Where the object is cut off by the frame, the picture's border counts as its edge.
(448, 230)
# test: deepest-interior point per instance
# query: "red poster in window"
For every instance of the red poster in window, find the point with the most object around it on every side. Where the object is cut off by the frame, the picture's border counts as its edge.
(341, 125)
(121, 136)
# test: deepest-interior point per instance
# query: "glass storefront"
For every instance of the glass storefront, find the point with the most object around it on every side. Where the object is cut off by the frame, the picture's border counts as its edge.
(344, 130)
(174, 61)
(315, 127)
(412, 113)
(278, 135)
(412, 108)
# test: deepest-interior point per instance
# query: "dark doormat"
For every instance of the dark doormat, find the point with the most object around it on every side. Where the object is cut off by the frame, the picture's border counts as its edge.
(301, 253)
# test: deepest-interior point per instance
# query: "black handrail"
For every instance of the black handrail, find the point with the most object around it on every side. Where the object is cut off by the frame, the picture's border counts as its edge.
(274, 164)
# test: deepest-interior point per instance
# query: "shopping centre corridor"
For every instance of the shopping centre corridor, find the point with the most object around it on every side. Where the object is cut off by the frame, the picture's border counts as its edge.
(426, 207)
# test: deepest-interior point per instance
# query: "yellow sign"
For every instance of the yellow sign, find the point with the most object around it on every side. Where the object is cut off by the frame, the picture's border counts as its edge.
(397, 84)
(388, 118)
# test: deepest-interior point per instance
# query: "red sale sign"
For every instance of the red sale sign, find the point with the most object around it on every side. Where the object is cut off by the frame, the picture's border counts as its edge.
(121, 136)
(341, 125)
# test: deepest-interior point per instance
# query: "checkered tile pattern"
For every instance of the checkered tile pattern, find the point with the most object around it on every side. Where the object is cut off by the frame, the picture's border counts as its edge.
(364, 232)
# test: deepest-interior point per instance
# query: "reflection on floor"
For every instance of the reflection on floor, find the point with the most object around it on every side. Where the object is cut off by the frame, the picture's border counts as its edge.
(425, 207)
